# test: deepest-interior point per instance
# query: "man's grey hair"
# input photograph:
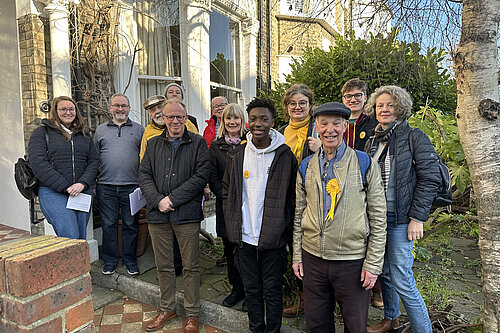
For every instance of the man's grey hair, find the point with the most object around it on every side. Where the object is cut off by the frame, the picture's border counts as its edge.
(218, 97)
(118, 95)
(172, 101)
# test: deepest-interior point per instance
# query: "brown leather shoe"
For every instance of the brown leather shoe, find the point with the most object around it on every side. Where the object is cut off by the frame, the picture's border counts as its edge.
(160, 320)
(384, 326)
(190, 324)
(296, 308)
(377, 300)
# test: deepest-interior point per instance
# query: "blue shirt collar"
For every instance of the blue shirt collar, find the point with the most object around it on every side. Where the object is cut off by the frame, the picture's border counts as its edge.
(339, 153)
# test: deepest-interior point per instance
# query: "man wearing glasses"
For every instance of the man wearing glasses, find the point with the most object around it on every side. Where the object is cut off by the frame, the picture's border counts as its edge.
(172, 175)
(217, 106)
(359, 127)
(118, 142)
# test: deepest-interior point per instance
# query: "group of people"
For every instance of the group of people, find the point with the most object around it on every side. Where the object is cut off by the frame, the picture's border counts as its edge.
(340, 185)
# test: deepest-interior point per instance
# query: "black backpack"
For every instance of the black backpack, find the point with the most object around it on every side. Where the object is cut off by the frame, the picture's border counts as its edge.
(26, 181)
(444, 193)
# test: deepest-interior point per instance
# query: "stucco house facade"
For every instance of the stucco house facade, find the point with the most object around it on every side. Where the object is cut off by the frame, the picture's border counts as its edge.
(90, 49)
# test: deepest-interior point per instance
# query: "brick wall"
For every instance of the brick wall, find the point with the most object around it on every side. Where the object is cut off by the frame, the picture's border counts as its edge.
(295, 33)
(35, 67)
(45, 286)
(34, 51)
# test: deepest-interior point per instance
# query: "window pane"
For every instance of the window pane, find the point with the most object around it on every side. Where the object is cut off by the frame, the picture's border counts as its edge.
(158, 34)
(223, 46)
(232, 96)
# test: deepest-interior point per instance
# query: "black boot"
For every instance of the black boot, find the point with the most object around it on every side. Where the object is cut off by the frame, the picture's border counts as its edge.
(234, 297)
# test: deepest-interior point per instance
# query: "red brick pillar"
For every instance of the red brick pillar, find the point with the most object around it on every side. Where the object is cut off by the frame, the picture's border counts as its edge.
(45, 286)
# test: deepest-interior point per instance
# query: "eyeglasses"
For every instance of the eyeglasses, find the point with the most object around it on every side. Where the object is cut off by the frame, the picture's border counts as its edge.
(221, 105)
(64, 110)
(357, 96)
(120, 106)
(171, 118)
(301, 104)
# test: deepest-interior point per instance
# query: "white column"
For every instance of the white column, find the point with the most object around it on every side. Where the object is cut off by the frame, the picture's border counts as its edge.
(59, 41)
(250, 29)
(195, 24)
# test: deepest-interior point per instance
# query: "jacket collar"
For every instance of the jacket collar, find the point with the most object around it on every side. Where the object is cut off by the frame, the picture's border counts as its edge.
(127, 123)
(212, 121)
(186, 136)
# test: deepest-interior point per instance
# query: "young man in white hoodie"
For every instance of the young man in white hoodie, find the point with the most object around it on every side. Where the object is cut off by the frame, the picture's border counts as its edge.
(259, 201)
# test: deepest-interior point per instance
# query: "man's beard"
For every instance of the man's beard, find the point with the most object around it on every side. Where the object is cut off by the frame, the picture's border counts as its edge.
(159, 121)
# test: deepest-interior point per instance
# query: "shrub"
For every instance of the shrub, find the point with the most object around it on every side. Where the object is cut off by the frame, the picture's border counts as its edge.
(378, 61)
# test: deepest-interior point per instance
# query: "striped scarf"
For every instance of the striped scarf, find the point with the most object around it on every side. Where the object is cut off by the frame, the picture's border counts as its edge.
(382, 137)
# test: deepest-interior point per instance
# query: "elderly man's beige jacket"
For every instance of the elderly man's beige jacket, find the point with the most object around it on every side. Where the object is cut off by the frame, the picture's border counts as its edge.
(358, 228)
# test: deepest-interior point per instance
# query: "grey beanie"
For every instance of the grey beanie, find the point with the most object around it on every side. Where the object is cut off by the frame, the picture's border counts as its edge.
(176, 85)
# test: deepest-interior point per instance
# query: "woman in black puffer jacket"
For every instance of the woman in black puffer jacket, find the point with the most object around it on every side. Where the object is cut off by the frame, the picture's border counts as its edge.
(231, 133)
(63, 157)
(411, 178)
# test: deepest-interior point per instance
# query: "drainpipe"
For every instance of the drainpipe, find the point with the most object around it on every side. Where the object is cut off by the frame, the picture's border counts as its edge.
(59, 41)
(268, 46)
(259, 52)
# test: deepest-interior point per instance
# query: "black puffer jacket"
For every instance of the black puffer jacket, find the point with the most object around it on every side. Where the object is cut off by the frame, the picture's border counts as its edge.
(310, 129)
(279, 202)
(181, 175)
(62, 163)
(218, 157)
(417, 177)
(362, 130)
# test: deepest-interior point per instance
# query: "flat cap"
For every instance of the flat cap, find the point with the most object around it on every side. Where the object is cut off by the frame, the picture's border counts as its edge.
(153, 100)
(333, 108)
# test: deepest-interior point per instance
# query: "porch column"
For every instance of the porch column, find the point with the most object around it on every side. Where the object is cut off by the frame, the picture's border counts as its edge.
(250, 28)
(195, 25)
(60, 52)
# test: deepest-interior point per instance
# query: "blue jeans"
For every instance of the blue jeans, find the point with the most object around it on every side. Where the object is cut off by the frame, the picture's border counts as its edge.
(66, 222)
(397, 279)
(113, 199)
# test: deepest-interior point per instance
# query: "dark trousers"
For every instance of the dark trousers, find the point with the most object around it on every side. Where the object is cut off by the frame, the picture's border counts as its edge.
(327, 282)
(232, 271)
(177, 255)
(262, 272)
(114, 199)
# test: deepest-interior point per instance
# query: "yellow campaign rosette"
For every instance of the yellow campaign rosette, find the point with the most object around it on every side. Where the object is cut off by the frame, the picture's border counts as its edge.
(333, 189)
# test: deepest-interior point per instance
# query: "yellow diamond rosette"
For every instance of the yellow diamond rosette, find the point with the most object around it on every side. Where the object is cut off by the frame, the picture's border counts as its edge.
(333, 189)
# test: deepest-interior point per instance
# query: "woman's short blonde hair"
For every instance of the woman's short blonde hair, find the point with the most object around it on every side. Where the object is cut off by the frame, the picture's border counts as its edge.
(402, 101)
(233, 110)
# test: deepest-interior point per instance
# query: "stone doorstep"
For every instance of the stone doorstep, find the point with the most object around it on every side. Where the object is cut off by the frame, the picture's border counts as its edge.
(211, 313)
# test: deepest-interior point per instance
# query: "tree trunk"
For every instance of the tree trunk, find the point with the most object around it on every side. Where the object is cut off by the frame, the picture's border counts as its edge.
(476, 68)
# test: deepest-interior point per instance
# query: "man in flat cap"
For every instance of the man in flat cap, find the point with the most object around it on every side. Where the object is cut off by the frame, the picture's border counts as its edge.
(154, 106)
(339, 231)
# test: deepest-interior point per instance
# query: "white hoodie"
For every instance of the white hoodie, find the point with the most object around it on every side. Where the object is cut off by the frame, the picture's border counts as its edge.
(256, 166)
